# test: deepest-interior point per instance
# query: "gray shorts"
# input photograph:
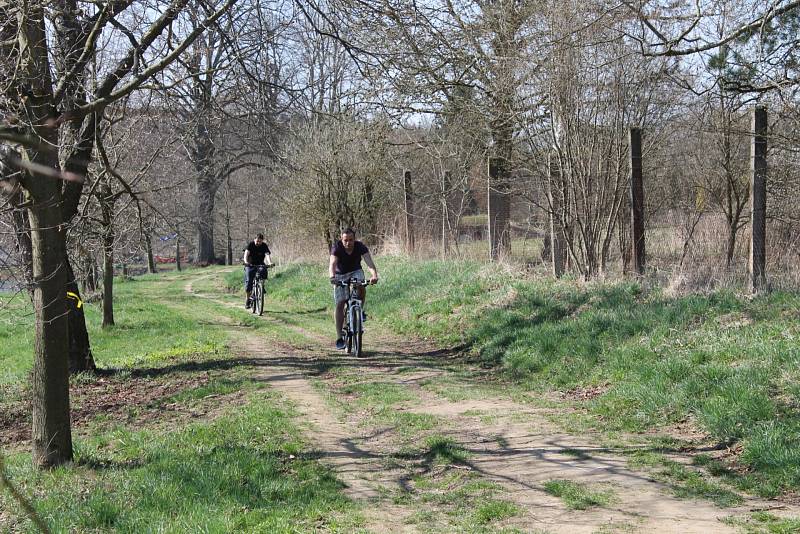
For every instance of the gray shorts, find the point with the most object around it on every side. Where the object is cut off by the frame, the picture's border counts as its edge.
(340, 292)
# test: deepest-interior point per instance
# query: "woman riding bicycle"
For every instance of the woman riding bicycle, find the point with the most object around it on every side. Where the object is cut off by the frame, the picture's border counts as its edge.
(255, 255)
(345, 264)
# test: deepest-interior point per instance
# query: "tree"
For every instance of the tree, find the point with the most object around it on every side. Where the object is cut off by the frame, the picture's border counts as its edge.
(60, 111)
(427, 53)
(223, 95)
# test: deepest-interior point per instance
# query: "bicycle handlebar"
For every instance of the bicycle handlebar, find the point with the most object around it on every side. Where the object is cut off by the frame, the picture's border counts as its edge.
(351, 281)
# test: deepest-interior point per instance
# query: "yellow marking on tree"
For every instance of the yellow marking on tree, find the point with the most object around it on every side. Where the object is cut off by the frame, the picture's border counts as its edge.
(71, 295)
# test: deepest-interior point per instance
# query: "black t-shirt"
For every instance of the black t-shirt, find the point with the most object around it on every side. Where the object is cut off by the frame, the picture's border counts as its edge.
(347, 263)
(258, 252)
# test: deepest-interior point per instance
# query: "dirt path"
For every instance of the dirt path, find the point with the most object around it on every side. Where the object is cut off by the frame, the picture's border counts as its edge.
(505, 443)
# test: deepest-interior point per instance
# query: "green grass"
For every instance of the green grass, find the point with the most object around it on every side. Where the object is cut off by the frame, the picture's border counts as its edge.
(462, 498)
(686, 482)
(728, 363)
(242, 472)
(496, 510)
(444, 450)
(378, 393)
(16, 338)
(765, 523)
(245, 470)
(578, 496)
(147, 333)
(725, 363)
(216, 387)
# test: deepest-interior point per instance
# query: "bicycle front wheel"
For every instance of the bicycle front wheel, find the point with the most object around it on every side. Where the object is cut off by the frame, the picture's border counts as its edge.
(357, 331)
(258, 298)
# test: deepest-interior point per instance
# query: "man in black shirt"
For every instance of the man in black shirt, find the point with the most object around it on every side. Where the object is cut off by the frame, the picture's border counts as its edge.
(254, 255)
(345, 264)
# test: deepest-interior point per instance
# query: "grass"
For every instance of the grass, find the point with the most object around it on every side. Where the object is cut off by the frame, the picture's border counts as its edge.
(496, 510)
(148, 332)
(722, 364)
(765, 523)
(235, 472)
(578, 496)
(687, 482)
(469, 502)
(727, 363)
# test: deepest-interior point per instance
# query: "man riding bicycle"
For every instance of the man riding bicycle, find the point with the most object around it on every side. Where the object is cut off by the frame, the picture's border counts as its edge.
(345, 264)
(255, 254)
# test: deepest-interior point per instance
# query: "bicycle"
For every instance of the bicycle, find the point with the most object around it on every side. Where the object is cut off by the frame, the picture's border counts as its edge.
(257, 294)
(353, 327)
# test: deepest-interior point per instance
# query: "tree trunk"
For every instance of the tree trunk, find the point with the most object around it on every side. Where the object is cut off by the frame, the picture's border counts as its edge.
(228, 240)
(90, 267)
(229, 249)
(206, 194)
(80, 353)
(151, 261)
(408, 201)
(22, 233)
(178, 251)
(445, 213)
(499, 209)
(108, 279)
(108, 289)
(51, 433)
(730, 247)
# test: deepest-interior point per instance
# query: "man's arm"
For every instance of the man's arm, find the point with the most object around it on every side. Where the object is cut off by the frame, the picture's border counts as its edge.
(246, 258)
(268, 259)
(371, 266)
(332, 266)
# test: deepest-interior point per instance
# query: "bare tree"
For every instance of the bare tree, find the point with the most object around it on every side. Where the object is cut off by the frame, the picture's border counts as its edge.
(224, 96)
(61, 111)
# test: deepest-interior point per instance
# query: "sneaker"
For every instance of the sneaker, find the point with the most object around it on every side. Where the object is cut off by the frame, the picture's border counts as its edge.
(363, 317)
(340, 344)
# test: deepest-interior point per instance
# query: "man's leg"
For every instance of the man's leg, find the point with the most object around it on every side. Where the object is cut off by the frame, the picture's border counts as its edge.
(338, 317)
(248, 285)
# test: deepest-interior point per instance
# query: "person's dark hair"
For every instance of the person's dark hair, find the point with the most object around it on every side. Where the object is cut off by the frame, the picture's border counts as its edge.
(350, 231)
(260, 236)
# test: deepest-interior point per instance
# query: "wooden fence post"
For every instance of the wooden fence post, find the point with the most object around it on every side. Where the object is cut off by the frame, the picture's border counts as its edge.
(637, 201)
(408, 208)
(758, 202)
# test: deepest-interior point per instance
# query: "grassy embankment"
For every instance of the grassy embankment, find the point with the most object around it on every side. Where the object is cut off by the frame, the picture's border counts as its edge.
(630, 360)
(177, 457)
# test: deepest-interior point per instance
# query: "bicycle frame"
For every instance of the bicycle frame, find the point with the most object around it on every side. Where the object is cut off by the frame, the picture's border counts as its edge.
(353, 327)
(257, 294)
